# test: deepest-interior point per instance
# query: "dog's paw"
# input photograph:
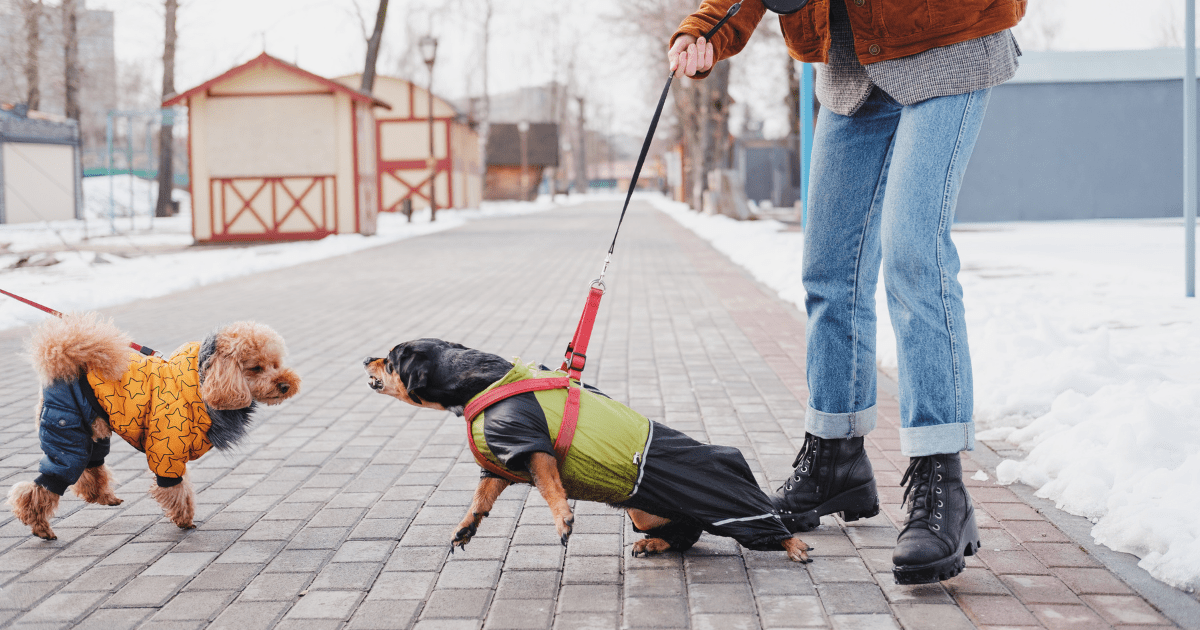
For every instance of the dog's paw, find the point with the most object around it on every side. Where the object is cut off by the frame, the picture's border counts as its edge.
(564, 529)
(650, 546)
(797, 550)
(463, 536)
(185, 525)
(110, 500)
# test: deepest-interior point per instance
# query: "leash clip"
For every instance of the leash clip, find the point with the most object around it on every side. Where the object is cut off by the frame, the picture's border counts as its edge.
(599, 282)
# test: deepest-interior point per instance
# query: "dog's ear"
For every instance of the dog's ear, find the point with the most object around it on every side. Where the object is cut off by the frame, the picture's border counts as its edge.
(225, 385)
(412, 366)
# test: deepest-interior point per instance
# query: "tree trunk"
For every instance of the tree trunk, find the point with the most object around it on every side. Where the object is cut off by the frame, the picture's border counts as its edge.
(33, 40)
(485, 116)
(702, 109)
(70, 59)
(581, 178)
(368, 78)
(166, 136)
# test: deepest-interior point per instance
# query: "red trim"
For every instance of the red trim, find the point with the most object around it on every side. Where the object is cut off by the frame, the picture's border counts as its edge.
(265, 60)
(420, 119)
(449, 171)
(271, 229)
(357, 183)
(191, 173)
(211, 94)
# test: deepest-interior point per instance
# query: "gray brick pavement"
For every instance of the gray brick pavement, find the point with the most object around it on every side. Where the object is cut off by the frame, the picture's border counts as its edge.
(338, 510)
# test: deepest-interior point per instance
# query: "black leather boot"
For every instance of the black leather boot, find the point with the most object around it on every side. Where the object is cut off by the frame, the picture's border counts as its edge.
(941, 528)
(830, 476)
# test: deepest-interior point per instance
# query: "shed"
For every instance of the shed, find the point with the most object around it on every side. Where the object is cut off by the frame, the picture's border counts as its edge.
(515, 161)
(40, 172)
(403, 165)
(279, 153)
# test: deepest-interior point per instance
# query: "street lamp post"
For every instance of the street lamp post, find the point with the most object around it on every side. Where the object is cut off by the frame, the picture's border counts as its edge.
(428, 46)
(523, 127)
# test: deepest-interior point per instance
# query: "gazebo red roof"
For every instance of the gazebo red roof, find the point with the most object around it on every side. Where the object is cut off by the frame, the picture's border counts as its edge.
(265, 60)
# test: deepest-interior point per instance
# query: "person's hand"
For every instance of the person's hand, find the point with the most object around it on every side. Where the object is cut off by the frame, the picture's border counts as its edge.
(689, 56)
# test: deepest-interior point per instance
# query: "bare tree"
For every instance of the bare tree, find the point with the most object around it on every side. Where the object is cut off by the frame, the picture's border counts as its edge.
(368, 78)
(701, 107)
(581, 177)
(166, 146)
(70, 28)
(1040, 28)
(1170, 28)
(33, 41)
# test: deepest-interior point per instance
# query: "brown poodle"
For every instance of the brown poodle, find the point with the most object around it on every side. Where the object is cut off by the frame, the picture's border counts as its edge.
(174, 409)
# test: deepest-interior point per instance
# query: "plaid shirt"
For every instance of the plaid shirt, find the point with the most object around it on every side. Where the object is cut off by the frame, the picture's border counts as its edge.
(843, 84)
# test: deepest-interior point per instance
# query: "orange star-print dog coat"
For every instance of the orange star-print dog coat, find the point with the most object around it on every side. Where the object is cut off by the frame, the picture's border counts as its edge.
(156, 407)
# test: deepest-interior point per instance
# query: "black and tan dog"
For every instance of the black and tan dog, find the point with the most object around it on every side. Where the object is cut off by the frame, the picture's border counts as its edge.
(673, 487)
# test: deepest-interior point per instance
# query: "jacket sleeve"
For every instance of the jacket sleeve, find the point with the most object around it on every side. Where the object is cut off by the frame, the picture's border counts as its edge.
(515, 428)
(732, 37)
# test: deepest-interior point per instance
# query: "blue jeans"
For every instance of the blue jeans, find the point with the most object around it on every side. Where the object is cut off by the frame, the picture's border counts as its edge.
(884, 183)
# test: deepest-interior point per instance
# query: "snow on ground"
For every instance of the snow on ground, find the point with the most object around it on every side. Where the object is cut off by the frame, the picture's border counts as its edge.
(96, 267)
(1086, 355)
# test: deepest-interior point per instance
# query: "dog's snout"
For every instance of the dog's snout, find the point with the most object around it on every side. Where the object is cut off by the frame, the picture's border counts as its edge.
(367, 361)
(284, 387)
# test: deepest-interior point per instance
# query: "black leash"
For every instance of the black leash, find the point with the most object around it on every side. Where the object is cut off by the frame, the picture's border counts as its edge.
(650, 136)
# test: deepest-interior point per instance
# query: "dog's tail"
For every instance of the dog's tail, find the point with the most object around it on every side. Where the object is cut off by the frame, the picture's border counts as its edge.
(61, 346)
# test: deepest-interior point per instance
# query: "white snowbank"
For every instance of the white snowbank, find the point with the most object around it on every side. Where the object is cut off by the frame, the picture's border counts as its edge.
(85, 277)
(1086, 355)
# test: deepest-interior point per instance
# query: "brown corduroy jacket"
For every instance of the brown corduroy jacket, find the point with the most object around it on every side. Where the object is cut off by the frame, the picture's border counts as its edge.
(883, 29)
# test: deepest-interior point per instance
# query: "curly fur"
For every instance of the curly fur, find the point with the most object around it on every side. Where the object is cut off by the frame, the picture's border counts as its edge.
(177, 502)
(95, 486)
(34, 506)
(61, 346)
(100, 428)
(240, 365)
(245, 365)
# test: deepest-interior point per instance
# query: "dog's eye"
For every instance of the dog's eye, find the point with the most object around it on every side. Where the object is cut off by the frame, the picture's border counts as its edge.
(256, 369)
(388, 366)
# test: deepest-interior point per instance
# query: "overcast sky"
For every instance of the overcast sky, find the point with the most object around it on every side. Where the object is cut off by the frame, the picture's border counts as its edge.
(531, 42)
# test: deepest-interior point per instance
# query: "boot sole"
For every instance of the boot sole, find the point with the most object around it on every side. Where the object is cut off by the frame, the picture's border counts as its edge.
(853, 504)
(945, 568)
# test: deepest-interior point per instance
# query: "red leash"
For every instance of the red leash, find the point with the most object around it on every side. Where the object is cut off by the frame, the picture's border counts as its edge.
(576, 355)
(142, 349)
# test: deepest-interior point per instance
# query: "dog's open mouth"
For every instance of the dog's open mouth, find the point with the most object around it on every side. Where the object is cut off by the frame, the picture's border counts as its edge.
(376, 384)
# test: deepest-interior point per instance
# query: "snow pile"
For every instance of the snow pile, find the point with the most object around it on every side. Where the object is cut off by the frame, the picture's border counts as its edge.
(86, 276)
(121, 195)
(1085, 354)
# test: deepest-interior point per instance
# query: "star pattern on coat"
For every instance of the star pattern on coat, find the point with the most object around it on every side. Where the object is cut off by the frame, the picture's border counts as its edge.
(156, 407)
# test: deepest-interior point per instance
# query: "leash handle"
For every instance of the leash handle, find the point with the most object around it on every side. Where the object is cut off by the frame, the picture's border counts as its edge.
(146, 350)
(662, 100)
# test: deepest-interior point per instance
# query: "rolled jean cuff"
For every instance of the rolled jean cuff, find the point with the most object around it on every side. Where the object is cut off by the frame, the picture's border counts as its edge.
(837, 426)
(937, 439)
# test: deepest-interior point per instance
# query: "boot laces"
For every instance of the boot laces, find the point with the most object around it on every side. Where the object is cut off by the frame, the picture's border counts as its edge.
(806, 460)
(810, 452)
(920, 492)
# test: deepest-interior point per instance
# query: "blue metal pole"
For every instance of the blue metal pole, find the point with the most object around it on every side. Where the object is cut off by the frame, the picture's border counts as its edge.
(1189, 149)
(806, 134)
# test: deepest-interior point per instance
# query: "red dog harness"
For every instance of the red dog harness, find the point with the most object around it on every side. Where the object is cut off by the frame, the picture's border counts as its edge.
(573, 364)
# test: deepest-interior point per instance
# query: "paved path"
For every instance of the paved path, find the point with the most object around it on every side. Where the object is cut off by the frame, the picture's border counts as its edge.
(338, 511)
